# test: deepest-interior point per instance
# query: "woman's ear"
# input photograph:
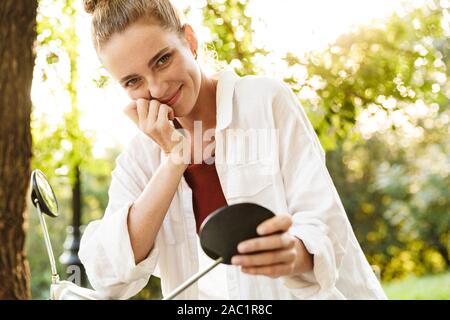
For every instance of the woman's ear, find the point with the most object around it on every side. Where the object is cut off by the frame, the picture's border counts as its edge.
(191, 38)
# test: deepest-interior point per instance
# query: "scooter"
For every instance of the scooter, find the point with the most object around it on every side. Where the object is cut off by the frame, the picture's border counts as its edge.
(219, 238)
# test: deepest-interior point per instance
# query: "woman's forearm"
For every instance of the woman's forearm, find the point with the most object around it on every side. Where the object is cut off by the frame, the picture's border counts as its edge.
(148, 211)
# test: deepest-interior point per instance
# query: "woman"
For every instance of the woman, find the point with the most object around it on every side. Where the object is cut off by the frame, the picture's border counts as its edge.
(191, 158)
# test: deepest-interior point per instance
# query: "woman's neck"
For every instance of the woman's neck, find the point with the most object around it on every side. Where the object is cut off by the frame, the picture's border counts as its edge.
(204, 109)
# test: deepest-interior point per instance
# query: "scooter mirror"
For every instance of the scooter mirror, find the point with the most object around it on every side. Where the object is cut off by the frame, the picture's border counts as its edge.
(222, 231)
(42, 193)
(225, 228)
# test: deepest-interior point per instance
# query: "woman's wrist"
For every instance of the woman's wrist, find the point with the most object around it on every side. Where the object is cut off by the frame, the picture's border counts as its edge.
(304, 260)
(178, 154)
(176, 161)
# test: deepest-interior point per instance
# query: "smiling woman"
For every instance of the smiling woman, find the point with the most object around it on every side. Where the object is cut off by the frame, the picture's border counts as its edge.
(151, 63)
(158, 195)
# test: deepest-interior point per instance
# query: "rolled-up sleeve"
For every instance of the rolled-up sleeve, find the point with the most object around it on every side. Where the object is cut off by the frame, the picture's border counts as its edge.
(105, 248)
(319, 218)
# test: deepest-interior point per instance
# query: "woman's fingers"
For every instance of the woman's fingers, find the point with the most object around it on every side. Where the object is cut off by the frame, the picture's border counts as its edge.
(152, 114)
(131, 112)
(142, 110)
(278, 223)
(153, 110)
(152, 118)
(272, 242)
(265, 258)
(273, 255)
(273, 271)
(164, 115)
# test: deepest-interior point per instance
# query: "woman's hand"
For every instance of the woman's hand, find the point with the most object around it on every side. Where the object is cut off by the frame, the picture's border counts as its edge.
(152, 118)
(276, 253)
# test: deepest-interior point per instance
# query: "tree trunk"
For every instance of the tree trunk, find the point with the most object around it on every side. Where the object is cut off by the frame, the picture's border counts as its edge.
(17, 35)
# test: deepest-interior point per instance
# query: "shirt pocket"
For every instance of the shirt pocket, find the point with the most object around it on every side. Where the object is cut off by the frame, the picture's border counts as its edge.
(250, 180)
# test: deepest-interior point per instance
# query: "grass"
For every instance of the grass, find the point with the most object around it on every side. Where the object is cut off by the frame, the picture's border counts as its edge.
(431, 287)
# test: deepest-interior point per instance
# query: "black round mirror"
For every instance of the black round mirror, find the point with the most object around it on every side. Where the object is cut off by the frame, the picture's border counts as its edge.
(225, 228)
(42, 193)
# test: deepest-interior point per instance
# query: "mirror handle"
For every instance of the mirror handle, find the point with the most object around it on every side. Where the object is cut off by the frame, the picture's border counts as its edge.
(192, 279)
(48, 244)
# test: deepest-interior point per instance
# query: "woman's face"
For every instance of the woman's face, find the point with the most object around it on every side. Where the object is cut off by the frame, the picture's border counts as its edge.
(154, 63)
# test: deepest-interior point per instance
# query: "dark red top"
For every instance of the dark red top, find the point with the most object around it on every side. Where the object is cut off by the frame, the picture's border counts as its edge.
(207, 194)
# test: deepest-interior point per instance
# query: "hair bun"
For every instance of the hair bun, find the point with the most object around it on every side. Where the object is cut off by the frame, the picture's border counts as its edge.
(90, 5)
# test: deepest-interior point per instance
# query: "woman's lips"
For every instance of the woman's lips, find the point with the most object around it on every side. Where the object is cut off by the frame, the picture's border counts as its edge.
(174, 99)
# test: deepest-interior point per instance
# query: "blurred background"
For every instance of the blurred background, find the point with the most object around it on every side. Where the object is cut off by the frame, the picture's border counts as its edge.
(371, 74)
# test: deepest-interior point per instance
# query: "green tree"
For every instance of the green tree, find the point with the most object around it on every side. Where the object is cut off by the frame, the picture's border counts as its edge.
(389, 65)
(388, 84)
(231, 29)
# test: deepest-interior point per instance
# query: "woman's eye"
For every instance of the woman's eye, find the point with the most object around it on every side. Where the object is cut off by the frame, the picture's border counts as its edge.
(131, 82)
(163, 59)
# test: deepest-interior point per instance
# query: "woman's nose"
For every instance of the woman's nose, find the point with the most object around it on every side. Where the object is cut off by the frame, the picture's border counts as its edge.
(157, 89)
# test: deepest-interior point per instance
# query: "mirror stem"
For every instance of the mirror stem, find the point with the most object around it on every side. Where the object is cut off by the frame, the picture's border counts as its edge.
(55, 276)
(192, 279)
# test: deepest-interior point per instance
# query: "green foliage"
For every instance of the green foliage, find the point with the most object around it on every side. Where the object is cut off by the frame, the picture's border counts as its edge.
(57, 150)
(431, 287)
(231, 28)
(394, 182)
(400, 60)
(97, 178)
(61, 148)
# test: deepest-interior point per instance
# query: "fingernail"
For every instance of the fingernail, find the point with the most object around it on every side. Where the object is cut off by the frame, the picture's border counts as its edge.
(235, 260)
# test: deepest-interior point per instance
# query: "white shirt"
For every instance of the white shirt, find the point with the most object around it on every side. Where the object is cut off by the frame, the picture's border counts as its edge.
(288, 177)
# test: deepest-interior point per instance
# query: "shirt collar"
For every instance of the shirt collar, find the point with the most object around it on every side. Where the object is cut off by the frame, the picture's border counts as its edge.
(224, 99)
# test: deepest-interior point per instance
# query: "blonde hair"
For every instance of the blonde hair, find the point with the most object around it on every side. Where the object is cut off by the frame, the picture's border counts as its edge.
(114, 16)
